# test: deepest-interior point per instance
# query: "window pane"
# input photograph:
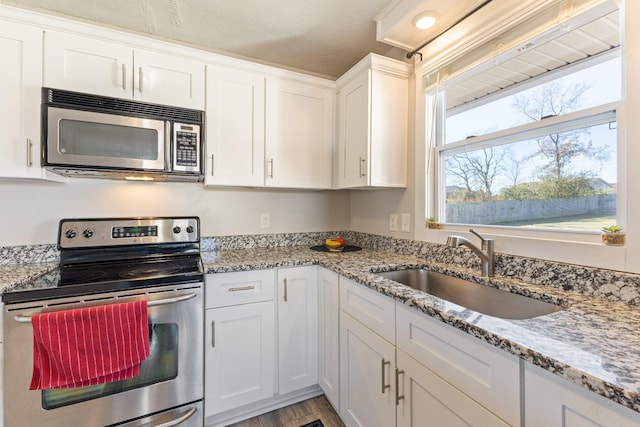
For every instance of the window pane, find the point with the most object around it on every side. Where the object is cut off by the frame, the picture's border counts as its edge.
(564, 180)
(589, 87)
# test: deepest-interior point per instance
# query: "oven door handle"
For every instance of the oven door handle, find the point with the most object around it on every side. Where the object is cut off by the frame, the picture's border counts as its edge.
(26, 317)
(161, 418)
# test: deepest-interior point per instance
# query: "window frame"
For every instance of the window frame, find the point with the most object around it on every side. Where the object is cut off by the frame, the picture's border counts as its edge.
(575, 246)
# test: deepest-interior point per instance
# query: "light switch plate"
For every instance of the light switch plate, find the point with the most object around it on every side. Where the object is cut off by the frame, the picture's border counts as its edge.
(406, 222)
(393, 222)
(265, 220)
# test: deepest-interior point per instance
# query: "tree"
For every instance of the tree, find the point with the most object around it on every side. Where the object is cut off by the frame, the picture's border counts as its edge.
(560, 149)
(478, 170)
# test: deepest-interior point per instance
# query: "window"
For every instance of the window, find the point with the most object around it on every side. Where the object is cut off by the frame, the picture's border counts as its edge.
(532, 142)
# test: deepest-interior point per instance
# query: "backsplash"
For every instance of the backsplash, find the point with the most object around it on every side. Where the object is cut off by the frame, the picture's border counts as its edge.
(608, 284)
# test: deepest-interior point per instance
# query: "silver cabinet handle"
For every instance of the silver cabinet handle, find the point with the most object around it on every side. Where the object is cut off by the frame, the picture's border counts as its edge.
(398, 397)
(140, 79)
(242, 288)
(384, 386)
(26, 317)
(213, 162)
(363, 168)
(270, 168)
(124, 76)
(285, 290)
(213, 334)
(29, 152)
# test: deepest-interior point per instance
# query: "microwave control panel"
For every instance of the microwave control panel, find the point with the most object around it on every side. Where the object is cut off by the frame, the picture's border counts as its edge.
(186, 147)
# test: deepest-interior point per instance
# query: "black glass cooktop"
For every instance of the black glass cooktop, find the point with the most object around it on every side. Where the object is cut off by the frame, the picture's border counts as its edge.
(163, 268)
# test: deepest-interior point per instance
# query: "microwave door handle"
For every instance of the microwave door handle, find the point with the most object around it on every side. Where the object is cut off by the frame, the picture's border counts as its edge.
(168, 155)
(26, 317)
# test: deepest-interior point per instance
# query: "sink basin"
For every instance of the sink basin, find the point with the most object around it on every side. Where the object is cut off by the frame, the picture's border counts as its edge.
(483, 299)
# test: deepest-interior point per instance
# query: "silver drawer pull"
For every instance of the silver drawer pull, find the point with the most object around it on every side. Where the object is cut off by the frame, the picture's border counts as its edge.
(242, 288)
(383, 385)
(26, 317)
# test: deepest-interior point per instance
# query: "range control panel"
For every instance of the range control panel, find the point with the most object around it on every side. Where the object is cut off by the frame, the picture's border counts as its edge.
(88, 233)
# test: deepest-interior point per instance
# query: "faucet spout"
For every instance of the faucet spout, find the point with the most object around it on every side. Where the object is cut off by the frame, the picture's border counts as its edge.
(485, 252)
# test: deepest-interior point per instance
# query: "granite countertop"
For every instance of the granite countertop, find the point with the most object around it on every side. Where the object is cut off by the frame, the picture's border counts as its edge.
(593, 342)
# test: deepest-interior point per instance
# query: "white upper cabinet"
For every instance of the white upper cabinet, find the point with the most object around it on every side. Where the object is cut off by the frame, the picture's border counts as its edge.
(20, 86)
(299, 129)
(372, 124)
(235, 128)
(86, 64)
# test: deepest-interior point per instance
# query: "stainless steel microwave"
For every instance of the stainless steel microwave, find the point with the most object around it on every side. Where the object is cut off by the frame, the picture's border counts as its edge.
(96, 136)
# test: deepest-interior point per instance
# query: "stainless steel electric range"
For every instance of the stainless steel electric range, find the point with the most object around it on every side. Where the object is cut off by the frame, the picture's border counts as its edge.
(109, 261)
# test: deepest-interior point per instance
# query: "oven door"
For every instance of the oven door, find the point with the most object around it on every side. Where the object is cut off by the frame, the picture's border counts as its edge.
(90, 139)
(170, 384)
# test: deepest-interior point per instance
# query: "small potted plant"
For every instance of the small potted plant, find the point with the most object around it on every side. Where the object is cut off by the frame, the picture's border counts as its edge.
(613, 235)
(433, 223)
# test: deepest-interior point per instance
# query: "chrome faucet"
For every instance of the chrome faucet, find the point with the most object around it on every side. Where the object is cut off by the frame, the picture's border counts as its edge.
(485, 254)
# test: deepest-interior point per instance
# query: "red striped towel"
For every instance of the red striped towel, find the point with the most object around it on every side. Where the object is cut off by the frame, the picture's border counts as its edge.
(89, 346)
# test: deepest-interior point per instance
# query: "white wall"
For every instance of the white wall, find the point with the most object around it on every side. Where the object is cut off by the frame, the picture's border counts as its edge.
(30, 212)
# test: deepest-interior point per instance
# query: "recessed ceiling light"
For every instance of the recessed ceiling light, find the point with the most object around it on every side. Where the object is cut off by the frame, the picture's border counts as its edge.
(424, 20)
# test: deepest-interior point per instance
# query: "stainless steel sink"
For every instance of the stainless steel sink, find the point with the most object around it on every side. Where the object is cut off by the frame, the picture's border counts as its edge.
(483, 299)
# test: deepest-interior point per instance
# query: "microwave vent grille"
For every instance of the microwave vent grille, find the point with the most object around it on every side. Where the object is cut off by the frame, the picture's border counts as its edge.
(121, 106)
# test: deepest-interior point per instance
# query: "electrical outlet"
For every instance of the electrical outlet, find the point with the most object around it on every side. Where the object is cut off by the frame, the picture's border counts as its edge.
(406, 222)
(393, 222)
(265, 220)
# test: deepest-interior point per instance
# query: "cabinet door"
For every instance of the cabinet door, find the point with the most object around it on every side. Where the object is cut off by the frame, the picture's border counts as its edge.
(551, 401)
(86, 64)
(389, 122)
(299, 131)
(354, 132)
(235, 128)
(239, 355)
(489, 375)
(166, 79)
(297, 328)
(367, 386)
(426, 400)
(20, 83)
(329, 335)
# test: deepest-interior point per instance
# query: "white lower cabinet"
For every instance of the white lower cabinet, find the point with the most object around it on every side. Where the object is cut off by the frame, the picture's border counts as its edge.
(329, 335)
(476, 371)
(367, 366)
(240, 357)
(436, 376)
(426, 400)
(551, 401)
(297, 328)
(367, 356)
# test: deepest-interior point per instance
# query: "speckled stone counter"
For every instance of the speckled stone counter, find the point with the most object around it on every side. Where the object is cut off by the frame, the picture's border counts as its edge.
(593, 342)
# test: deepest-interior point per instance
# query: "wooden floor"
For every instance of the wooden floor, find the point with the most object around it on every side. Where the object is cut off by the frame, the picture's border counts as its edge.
(297, 415)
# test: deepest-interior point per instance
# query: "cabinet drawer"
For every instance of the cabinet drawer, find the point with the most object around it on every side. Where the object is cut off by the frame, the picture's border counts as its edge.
(371, 308)
(242, 287)
(488, 375)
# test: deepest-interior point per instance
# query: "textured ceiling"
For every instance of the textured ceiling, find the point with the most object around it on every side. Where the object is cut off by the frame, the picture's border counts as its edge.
(321, 37)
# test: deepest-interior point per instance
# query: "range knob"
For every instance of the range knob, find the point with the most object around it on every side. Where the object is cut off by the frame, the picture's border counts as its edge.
(70, 233)
(190, 229)
(176, 229)
(87, 233)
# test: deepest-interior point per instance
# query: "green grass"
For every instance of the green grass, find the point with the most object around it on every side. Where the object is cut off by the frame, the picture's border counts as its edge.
(576, 222)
